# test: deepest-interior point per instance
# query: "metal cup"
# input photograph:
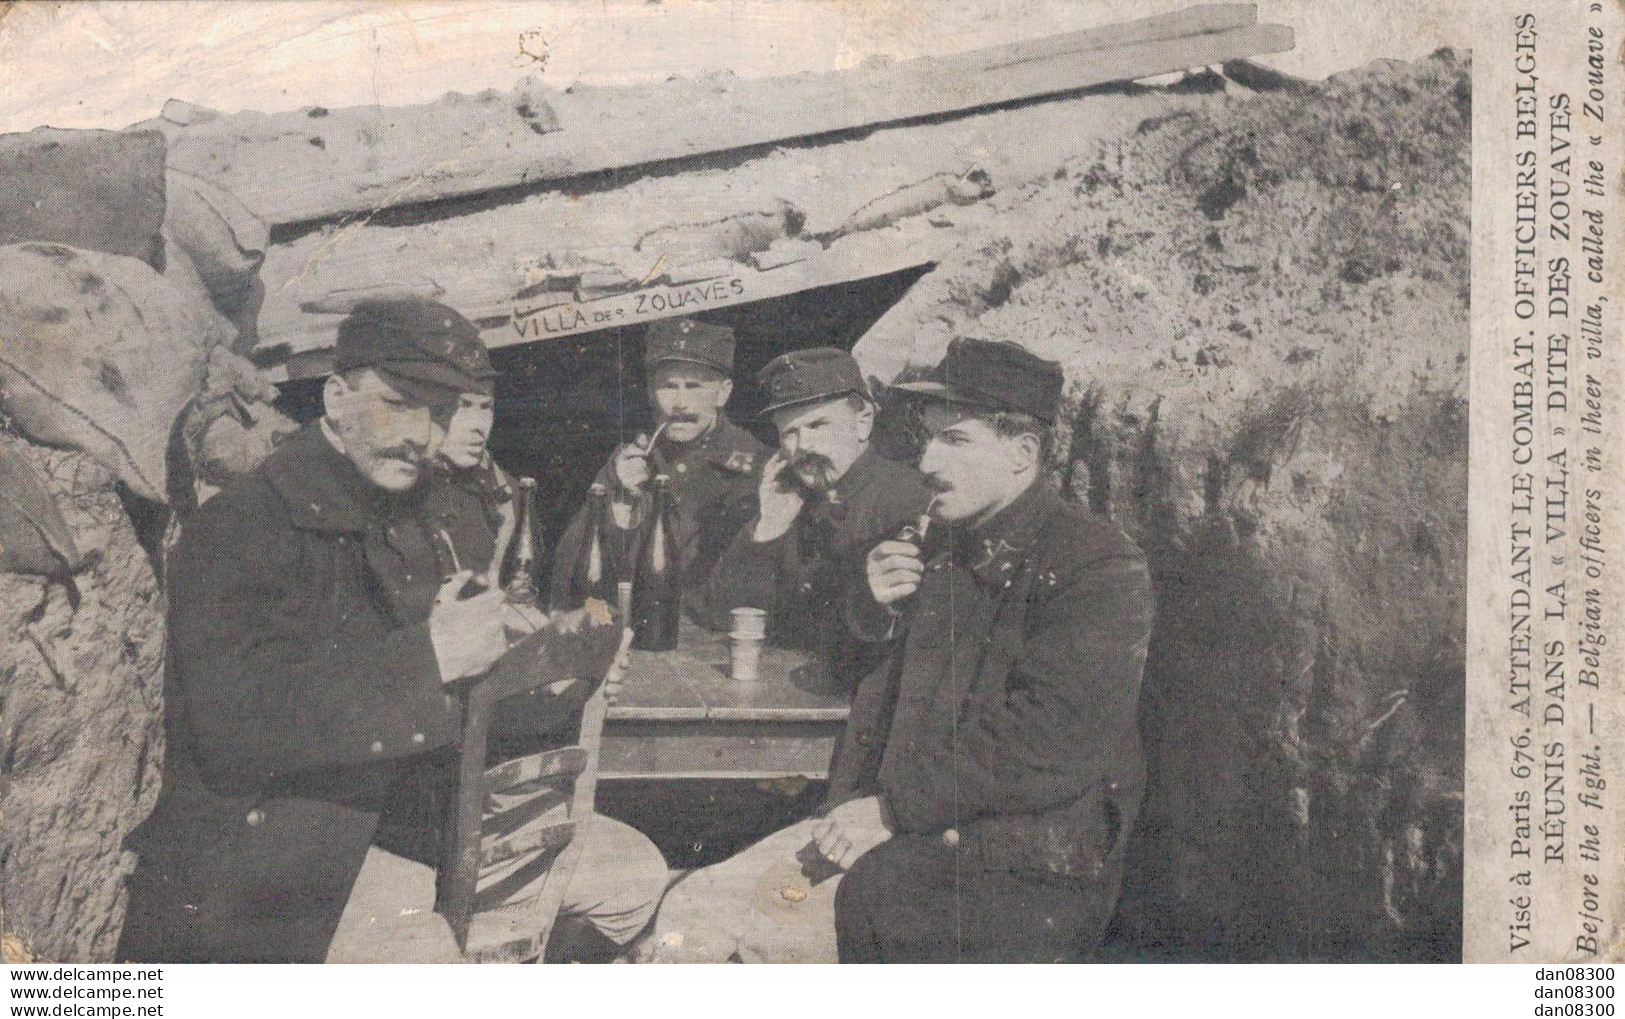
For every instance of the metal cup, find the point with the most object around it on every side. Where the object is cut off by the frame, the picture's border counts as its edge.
(744, 656)
(749, 622)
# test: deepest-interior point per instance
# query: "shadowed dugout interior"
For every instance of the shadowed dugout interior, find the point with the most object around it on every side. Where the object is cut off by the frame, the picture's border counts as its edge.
(563, 405)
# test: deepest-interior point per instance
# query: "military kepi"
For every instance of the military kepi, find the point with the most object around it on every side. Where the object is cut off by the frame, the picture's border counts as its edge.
(415, 339)
(805, 376)
(994, 375)
(687, 339)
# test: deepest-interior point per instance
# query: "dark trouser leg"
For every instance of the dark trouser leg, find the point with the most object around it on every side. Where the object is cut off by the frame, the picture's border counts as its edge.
(575, 939)
(145, 933)
(856, 906)
(913, 899)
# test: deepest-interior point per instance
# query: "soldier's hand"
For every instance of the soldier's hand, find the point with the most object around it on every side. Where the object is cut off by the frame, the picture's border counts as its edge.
(893, 569)
(778, 503)
(852, 829)
(467, 633)
(632, 464)
(522, 620)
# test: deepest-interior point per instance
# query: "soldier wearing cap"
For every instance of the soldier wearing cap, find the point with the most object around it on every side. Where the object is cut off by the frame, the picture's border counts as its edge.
(711, 462)
(825, 497)
(991, 768)
(469, 515)
(305, 668)
(471, 480)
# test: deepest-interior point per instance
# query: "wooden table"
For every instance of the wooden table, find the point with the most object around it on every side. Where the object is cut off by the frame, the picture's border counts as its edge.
(681, 716)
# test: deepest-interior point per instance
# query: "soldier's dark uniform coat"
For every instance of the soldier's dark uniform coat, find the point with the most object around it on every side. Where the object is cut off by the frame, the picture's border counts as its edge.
(464, 510)
(804, 579)
(295, 692)
(713, 495)
(1001, 735)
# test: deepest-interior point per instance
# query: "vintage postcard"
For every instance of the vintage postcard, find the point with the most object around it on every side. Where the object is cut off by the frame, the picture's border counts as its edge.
(811, 482)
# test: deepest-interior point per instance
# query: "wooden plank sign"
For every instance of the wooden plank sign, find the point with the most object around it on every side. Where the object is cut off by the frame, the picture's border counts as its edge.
(529, 321)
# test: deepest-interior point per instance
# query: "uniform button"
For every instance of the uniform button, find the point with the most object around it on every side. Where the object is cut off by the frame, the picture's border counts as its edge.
(417, 737)
(950, 838)
(806, 585)
(682, 468)
(255, 818)
(1111, 786)
(377, 747)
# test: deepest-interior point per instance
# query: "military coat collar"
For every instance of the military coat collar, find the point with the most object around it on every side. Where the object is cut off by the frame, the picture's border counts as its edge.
(995, 550)
(324, 491)
(865, 469)
(726, 445)
(484, 480)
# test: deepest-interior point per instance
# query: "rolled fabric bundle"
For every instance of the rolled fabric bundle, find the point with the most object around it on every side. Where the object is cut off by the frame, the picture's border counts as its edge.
(100, 353)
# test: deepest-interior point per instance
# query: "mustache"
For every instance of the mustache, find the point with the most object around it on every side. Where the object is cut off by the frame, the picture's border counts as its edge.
(937, 485)
(816, 460)
(404, 451)
(682, 418)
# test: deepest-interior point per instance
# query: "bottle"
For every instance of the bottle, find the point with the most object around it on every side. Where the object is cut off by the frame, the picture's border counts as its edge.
(593, 575)
(521, 588)
(656, 588)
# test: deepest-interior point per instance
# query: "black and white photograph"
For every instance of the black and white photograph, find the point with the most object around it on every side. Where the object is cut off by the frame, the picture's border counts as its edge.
(728, 482)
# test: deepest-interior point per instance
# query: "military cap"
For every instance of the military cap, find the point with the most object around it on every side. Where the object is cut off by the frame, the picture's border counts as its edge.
(994, 375)
(685, 339)
(415, 339)
(804, 376)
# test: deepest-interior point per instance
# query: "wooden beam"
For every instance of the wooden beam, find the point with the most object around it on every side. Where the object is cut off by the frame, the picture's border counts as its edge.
(299, 167)
(521, 253)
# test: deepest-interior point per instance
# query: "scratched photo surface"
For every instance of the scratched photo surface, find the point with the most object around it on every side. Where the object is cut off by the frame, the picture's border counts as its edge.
(1140, 331)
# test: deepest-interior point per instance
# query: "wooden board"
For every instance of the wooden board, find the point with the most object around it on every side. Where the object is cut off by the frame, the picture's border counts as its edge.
(680, 716)
(506, 323)
(692, 684)
(718, 750)
(295, 167)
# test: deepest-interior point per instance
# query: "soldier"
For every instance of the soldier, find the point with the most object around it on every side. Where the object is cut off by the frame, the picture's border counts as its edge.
(466, 469)
(825, 497)
(712, 462)
(992, 769)
(469, 516)
(305, 666)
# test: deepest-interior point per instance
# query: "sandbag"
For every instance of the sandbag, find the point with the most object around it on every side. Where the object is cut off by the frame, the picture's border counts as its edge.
(97, 190)
(226, 244)
(100, 353)
(232, 425)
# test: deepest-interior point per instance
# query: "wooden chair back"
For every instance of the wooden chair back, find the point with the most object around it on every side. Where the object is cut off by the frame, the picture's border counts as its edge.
(514, 824)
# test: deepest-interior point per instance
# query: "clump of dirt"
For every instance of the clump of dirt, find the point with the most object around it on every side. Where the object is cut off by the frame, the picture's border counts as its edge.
(1262, 306)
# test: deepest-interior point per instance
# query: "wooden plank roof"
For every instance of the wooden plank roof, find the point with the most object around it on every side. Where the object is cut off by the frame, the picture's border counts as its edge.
(316, 164)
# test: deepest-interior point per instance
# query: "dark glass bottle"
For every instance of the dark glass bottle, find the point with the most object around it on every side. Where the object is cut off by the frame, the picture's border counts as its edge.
(521, 587)
(594, 573)
(656, 589)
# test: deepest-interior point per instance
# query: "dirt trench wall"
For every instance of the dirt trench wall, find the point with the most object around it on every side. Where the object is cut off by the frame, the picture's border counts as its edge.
(1263, 313)
(81, 689)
